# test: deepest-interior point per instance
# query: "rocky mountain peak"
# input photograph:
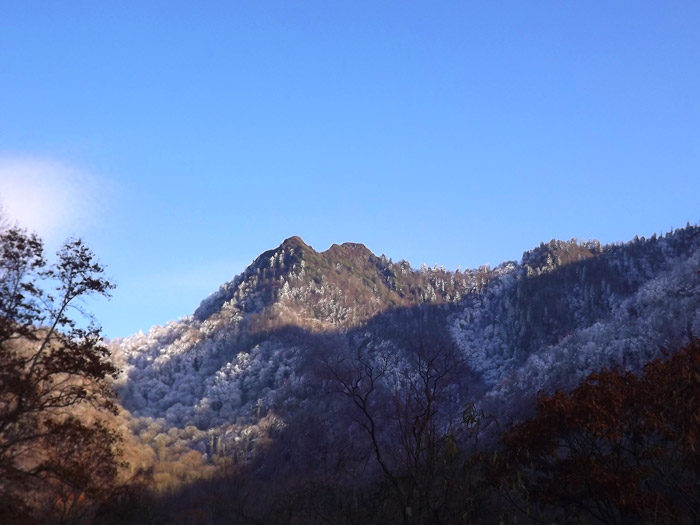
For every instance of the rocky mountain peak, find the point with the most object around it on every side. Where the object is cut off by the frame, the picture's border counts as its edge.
(339, 287)
(348, 249)
(294, 240)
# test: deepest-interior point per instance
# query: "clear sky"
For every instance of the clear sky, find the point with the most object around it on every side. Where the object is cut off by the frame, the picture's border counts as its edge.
(182, 139)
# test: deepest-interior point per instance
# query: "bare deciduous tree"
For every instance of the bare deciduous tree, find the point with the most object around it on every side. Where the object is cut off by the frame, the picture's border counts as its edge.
(417, 429)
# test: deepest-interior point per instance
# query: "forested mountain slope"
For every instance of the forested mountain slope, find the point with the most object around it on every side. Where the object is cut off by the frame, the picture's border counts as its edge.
(546, 326)
(256, 353)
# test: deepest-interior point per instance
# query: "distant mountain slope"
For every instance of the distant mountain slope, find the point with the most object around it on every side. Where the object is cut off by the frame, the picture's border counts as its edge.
(186, 371)
(253, 348)
(546, 327)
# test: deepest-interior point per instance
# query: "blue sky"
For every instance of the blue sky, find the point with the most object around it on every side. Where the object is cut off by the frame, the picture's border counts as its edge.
(181, 139)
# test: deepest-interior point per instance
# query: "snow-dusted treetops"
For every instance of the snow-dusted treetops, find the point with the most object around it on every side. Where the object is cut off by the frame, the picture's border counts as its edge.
(256, 353)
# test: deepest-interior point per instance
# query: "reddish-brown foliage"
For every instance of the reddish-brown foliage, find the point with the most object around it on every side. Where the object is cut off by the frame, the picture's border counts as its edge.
(620, 448)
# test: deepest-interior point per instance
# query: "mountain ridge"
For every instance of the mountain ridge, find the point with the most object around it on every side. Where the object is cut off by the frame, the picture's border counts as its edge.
(361, 282)
(569, 307)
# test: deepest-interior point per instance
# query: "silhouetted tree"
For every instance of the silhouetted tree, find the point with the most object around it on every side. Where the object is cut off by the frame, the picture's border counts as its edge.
(416, 427)
(55, 457)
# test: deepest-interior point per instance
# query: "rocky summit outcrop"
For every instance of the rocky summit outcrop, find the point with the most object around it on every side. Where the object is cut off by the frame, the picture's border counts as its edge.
(338, 288)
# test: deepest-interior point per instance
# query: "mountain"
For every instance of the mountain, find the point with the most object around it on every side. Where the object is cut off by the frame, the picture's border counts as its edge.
(259, 355)
(338, 288)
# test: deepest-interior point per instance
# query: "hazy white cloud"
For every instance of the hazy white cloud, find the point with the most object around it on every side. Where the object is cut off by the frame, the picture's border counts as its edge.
(52, 198)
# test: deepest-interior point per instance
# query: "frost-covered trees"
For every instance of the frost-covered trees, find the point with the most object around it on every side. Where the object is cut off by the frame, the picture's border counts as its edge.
(251, 349)
(550, 330)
